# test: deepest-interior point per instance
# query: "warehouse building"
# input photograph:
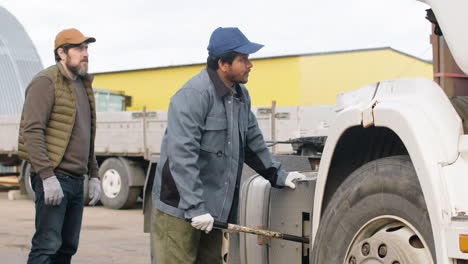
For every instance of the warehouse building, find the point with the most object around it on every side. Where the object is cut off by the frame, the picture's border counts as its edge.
(305, 79)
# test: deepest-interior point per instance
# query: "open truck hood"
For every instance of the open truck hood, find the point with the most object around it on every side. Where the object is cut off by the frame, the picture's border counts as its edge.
(452, 18)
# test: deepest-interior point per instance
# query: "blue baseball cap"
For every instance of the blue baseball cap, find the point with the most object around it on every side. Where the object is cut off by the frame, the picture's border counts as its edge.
(228, 39)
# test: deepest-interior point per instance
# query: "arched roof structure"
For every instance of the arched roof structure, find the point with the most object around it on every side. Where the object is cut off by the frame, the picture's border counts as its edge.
(19, 62)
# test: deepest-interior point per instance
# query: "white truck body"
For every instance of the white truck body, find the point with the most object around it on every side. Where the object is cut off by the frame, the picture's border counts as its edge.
(123, 133)
(451, 15)
(125, 141)
(419, 112)
(416, 111)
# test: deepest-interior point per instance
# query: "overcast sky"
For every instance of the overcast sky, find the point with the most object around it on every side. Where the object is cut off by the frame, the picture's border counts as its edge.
(134, 34)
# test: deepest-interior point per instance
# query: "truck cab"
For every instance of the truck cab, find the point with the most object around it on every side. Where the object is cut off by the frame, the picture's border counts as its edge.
(390, 187)
(390, 184)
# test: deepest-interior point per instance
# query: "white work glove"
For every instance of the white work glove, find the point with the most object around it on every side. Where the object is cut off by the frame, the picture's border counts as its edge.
(203, 222)
(293, 175)
(94, 190)
(53, 193)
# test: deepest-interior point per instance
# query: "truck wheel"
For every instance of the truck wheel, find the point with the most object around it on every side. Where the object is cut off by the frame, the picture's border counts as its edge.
(86, 198)
(377, 215)
(26, 180)
(115, 183)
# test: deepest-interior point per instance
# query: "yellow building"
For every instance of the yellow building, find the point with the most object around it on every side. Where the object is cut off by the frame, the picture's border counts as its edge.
(306, 79)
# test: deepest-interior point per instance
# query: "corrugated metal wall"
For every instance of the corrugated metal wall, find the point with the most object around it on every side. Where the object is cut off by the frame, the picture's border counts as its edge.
(19, 62)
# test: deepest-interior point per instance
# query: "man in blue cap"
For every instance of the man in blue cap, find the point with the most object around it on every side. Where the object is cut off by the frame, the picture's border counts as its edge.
(211, 132)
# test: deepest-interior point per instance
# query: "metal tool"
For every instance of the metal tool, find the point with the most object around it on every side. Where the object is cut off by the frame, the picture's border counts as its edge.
(267, 233)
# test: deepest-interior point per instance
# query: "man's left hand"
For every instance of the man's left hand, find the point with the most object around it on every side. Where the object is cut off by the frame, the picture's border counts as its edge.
(293, 175)
(94, 188)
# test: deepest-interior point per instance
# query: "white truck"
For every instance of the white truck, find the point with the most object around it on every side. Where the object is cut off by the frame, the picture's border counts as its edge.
(126, 140)
(390, 186)
(392, 182)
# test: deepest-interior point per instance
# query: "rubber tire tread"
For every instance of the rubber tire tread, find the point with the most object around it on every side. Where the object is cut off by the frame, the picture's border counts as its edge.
(387, 186)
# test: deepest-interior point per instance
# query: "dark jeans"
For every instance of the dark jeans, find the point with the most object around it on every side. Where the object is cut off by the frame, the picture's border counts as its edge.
(57, 227)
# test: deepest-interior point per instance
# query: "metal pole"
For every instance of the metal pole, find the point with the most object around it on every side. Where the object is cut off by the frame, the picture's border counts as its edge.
(267, 233)
(273, 125)
(145, 148)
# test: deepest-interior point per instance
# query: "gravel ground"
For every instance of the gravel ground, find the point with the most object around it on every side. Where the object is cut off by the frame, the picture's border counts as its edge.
(107, 236)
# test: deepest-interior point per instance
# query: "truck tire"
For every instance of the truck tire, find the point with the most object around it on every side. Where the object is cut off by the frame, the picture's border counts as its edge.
(377, 214)
(115, 182)
(26, 180)
(86, 198)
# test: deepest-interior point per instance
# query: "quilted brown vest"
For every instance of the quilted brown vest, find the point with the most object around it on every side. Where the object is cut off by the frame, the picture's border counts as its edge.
(62, 118)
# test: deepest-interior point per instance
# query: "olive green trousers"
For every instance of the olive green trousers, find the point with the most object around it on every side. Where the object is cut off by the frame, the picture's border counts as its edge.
(175, 241)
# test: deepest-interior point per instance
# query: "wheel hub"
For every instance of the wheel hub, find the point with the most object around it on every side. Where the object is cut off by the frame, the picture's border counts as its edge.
(387, 241)
(111, 183)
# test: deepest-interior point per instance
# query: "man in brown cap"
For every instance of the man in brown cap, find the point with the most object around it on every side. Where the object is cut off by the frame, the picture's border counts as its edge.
(58, 126)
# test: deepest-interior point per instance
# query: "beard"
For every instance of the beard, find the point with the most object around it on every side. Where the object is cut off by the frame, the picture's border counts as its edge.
(237, 78)
(77, 69)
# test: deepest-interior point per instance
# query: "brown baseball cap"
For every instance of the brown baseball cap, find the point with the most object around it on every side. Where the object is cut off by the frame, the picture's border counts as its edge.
(71, 36)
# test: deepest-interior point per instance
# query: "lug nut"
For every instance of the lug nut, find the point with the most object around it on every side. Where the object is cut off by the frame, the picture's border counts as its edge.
(365, 249)
(382, 251)
(352, 260)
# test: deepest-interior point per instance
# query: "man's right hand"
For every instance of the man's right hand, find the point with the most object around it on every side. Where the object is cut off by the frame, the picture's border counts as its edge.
(53, 193)
(203, 222)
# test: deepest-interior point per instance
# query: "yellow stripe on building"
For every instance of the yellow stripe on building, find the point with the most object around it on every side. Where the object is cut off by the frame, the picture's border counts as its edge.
(309, 79)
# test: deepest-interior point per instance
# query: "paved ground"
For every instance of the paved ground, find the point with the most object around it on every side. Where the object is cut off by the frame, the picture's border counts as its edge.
(107, 236)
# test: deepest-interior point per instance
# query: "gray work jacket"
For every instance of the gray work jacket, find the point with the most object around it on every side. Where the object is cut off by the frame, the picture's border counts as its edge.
(208, 128)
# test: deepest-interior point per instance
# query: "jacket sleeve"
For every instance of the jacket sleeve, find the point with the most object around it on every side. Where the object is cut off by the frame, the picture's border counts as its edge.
(186, 119)
(37, 108)
(259, 157)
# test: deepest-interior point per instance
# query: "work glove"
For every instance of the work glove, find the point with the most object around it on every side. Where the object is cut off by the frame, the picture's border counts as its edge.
(293, 175)
(53, 193)
(94, 189)
(203, 222)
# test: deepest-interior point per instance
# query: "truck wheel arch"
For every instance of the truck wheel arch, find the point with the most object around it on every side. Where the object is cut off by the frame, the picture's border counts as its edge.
(358, 146)
(421, 136)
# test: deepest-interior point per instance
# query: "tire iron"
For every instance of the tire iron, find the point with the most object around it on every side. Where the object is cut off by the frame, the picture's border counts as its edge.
(261, 232)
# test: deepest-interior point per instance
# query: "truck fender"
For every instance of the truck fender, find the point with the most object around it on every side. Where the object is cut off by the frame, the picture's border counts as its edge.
(421, 115)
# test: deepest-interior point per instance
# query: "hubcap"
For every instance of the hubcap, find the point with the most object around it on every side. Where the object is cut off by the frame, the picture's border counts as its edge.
(111, 183)
(388, 240)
